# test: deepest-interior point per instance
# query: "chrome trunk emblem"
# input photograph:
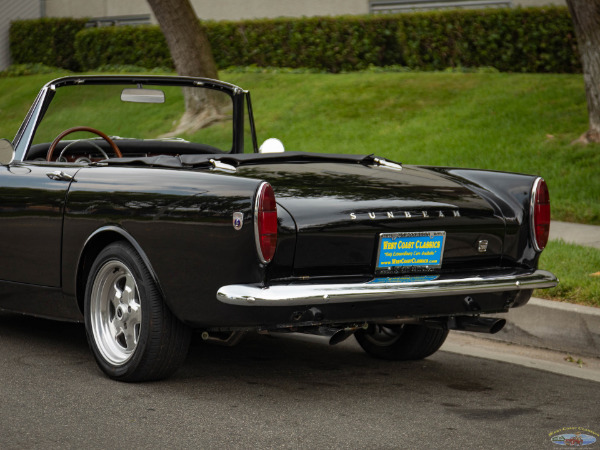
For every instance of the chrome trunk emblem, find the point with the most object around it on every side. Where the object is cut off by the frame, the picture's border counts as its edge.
(238, 220)
(404, 214)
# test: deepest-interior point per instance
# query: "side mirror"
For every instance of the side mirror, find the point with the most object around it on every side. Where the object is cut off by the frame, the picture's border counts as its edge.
(271, 145)
(7, 152)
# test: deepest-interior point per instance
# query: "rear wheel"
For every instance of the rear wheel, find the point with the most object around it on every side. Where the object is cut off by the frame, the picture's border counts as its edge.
(132, 333)
(401, 342)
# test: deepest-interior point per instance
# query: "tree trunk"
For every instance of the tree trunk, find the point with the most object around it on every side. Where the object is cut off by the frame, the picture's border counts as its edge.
(192, 55)
(586, 19)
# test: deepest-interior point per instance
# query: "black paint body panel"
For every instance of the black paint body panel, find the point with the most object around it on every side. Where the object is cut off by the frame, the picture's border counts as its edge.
(331, 211)
(340, 210)
(182, 222)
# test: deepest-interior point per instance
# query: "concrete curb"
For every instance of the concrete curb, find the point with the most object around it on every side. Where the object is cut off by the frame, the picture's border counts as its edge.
(554, 325)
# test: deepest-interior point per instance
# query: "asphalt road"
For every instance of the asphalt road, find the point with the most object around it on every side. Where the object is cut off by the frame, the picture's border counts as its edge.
(273, 392)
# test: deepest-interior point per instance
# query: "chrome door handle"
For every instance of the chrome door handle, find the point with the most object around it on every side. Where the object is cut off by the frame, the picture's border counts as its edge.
(59, 175)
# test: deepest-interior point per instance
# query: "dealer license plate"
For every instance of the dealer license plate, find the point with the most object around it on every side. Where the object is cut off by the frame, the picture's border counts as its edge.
(419, 251)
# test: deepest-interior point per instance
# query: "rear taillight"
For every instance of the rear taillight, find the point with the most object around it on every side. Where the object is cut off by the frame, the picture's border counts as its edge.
(540, 214)
(265, 222)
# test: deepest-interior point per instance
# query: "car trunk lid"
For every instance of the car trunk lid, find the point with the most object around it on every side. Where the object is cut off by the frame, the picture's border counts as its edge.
(341, 210)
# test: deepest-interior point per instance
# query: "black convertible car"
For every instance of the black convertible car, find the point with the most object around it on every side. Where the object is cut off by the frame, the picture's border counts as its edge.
(147, 237)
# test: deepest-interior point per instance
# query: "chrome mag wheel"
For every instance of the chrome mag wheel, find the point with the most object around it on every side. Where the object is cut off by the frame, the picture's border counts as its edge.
(132, 333)
(116, 312)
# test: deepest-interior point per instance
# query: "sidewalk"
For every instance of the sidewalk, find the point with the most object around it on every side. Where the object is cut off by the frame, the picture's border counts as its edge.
(573, 329)
(575, 233)
(561, 326)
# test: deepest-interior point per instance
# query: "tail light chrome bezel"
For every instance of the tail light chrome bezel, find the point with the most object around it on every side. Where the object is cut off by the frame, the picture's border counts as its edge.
(538, 185)
(260, 193)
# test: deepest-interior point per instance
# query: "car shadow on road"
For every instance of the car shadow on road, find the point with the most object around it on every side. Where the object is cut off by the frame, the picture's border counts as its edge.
(263, 364)
(34, 330)
(271, 369)
(256, 356)
(298, 362)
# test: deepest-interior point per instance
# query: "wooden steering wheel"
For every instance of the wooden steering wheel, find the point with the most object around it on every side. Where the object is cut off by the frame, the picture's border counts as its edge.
(91, 130)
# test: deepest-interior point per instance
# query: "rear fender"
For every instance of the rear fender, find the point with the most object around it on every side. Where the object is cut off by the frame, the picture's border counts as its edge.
(180, 222)
(93, 246)
(510, 195)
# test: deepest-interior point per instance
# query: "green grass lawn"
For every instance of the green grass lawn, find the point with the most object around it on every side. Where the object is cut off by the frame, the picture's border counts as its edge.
(578, 269)
(514, 122)
(521, 123)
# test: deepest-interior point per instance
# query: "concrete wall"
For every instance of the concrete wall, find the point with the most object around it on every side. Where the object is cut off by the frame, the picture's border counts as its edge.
(229, 9)
(248, 9)
(94, 8)
(210, 9)
(13, 10)
(526, 3)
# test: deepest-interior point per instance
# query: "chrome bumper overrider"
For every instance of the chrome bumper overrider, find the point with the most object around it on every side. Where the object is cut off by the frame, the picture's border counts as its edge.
(318, 294)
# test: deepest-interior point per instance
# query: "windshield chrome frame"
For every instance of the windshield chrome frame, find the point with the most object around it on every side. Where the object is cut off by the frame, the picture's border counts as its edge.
(24, 137)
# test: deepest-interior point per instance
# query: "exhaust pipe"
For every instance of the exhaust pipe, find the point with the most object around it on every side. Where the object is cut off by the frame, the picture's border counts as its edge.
(477, 324)
(226, 339)
(335, 335)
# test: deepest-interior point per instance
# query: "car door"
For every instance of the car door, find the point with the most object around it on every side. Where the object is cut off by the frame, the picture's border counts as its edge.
(32, 197)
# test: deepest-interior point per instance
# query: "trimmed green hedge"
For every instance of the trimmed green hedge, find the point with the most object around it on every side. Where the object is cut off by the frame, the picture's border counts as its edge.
(511, 40)
(143, 46)
(324, 43)
(515, 40)
(348, 43)
(45, 41)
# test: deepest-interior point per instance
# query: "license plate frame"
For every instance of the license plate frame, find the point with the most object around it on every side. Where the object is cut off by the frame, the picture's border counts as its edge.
(410, 251)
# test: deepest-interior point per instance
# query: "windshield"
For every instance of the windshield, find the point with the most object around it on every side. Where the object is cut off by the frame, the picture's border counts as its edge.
(182, 120)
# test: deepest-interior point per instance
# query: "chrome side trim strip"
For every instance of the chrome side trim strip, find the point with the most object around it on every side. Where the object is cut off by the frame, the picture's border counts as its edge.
(318, 294)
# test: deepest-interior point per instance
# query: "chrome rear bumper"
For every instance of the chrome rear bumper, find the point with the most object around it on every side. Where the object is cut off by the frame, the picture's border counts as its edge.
(318, 294)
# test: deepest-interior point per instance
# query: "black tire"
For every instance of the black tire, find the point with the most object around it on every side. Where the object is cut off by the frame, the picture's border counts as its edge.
(401, 342)
(132, 333)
